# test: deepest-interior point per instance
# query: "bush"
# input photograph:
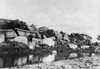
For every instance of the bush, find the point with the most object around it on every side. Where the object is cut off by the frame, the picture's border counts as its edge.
(13, 47)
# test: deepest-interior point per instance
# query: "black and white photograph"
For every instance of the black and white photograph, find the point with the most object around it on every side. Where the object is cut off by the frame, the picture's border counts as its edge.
(49, 34)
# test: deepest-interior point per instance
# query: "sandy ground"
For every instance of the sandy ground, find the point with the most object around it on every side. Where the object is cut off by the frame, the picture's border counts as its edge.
(81, 63)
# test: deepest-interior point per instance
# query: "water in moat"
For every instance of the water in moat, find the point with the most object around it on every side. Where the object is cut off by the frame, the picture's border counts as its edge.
(15, 60)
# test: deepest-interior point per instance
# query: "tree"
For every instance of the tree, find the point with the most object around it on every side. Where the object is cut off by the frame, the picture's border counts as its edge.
(33, 27)
(11, 24)
(41, 29)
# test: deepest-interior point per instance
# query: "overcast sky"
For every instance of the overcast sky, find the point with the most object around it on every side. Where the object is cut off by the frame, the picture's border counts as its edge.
(66, 15)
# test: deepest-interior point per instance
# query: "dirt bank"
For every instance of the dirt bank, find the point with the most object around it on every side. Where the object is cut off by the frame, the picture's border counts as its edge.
(81, 63)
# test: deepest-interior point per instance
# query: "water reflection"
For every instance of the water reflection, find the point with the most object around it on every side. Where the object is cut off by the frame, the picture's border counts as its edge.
(33, 59)
(1, 62)
(13, 60)
(49, 57)
(20, 61)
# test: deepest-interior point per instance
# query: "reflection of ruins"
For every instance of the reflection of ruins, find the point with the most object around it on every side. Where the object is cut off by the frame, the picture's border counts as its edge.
(15, 60)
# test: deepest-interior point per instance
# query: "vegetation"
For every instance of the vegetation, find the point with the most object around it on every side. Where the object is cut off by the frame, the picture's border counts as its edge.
(80, 39)
(11, 24)
(33, 27)
(42, 29)
(13, 47)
